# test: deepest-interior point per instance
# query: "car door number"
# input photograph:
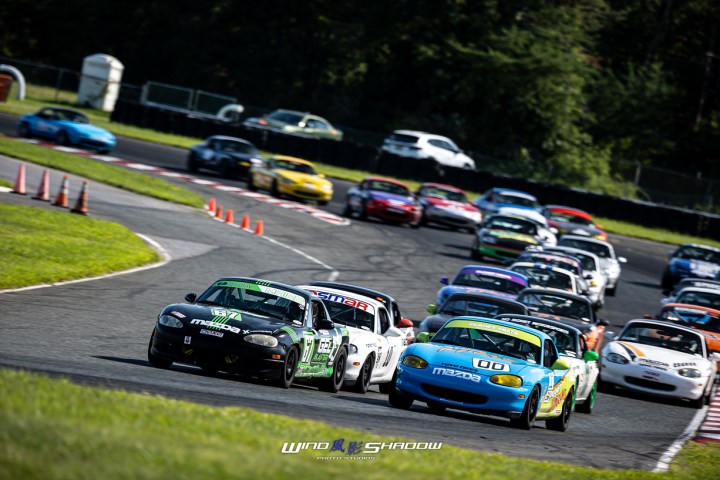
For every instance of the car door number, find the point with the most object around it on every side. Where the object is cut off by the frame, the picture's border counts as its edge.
(389, 356)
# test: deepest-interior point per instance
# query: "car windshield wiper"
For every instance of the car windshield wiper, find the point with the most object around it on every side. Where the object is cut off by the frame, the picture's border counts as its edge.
(210, 302)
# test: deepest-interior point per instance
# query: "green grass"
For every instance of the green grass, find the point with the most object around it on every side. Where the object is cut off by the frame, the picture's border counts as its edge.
(100, 172)
(39, 246)
(655, 234)
(53, 429)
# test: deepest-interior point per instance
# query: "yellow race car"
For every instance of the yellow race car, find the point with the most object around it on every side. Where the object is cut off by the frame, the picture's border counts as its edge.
(290, 176)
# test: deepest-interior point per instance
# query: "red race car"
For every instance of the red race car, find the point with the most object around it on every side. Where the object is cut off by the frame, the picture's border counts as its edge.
(383, 198)
(572, 221)
(447, 205)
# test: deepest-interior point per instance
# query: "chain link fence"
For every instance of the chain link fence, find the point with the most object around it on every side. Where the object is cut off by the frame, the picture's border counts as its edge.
(650, 183)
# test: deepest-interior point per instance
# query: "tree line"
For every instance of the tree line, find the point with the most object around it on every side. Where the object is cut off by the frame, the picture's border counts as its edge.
(562, 86)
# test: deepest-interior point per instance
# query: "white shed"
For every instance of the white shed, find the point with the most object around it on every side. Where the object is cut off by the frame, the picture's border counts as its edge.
(100, 82)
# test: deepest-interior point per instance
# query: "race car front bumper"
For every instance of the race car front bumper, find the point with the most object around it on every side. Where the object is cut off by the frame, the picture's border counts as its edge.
(666, 384)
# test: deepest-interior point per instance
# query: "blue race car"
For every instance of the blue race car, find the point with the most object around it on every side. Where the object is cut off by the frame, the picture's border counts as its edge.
(489, 367)
(66, 127)
(690, 260)
(496, 198)
(479, 279)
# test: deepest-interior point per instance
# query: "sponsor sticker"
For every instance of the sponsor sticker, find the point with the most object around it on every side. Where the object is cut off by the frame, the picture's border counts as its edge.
(214, 333)
(449, 372)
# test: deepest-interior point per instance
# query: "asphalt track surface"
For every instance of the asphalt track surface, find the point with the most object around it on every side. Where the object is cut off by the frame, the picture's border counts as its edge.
(97, 332)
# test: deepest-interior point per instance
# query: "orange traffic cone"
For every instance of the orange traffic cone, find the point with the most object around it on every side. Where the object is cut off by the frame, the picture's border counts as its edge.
(43, 192)
(259, 228)
(211, 205)
(82, 201)
(20, 181)
(229, 216)
(62, 197)
(218, 212)
(245, 222)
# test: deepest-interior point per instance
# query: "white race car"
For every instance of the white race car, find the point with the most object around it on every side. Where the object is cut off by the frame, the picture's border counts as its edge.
(375, 344)
(661, 358)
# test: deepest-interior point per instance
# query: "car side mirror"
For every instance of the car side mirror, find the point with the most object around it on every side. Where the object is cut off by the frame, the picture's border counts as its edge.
(405, 323)
(603, 322)
(714, 356)
(622, 259)
(590, 356)
(560, 364)
(423, 337)
(325, 324)
(432, 309)
(302, 124)
(393, 332)
(444, 280)
(190, 297)
(321, 175)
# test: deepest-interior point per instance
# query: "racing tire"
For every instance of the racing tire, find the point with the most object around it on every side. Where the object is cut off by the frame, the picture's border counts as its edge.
(363, 381)
(322, 203)
(526, 420)
(705, 399)
(251, 183)
(396, 397)
(588, 405)
(415, 225)
(287, 376)
(347, 211)
(385, 387)
(666, 282)
(474, 254)
(436, 407)
(192, 163)
(274, 189)
(363, 215)
(610, 292)
(560, 424)
(155, 360)
(23, 130)
(226, 170)
(335, 381)
(63, 139)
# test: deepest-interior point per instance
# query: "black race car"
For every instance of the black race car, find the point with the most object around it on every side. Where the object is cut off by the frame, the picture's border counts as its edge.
(253, 327)
(229, 156)
(474, 304)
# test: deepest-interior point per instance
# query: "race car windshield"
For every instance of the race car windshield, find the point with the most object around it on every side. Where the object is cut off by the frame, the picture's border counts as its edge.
(474, 308)
(698, 253)
(602, 251)
(350, 316)
(665, 337)
(389, 187)
(513, 225)
(478, 280)
(452, 195)
(516, 200)
(488, 341)
(541, 277)
(570, 218)
(693, 317)
(259, 300)
(236, 147)
(294, 166)
(556, 305)
(703, 299)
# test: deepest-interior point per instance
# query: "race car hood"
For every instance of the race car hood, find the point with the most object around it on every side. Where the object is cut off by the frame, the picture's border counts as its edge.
(299, 177)
(360, 335)
(85, 129)
(656, 357)
(434, 322)
(239, 322)
(507, 235)
(696, 267)
(450, 289)
(392, 197)
(451, 204)
(467, 359)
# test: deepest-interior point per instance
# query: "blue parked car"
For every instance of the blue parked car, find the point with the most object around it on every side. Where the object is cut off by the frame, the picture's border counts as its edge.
(690, 260)
(487, 366)
(66, 127)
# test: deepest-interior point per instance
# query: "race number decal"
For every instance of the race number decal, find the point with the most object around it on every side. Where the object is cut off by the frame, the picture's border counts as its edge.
(308, 349)
(325, 345)
(389, 356)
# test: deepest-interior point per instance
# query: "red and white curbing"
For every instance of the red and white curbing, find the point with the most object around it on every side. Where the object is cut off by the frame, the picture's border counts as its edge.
(295, 206)
(709, 431)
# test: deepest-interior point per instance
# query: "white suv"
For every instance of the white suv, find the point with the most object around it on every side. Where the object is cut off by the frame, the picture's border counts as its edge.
(411, 143)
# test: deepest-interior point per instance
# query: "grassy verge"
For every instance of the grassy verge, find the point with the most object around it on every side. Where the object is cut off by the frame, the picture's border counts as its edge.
(655, 234)
(100, 172)
(39, 246)
(45, 427)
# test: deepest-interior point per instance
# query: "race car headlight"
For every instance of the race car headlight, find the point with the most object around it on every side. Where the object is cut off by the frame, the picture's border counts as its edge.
(690, 372)
(170, 321)
(507, 380)
(327, 187)
(414, 361)
(352, 349)
(287, 181)
(488, 239)
(592, 283)
(262, 339)
(617, 358)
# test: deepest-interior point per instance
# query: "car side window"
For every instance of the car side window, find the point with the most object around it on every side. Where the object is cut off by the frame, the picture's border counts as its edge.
(441, 144)
(318, 313)
(549, 355)
(384, 320)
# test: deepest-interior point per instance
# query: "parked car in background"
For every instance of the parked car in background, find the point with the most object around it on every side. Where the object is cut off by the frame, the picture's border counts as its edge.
(447, 205)
(290, 176)
(383, 198)
(295, 122)
(662, 359)
(573, 221)
(504, 237)
(229, 156)
(494, 199)
(470, 304)
(609, 262)
(691, 260)
(66, 127)
(415, 144)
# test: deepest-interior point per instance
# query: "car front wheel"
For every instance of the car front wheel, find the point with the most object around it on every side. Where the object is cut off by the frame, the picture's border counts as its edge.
(335, 381)
(289, 367)
(526, 420)
(24, 130)
(63, 139)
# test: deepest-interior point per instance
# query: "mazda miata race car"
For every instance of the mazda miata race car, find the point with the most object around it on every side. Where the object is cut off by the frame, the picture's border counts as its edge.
(662, 359)
(490, 367)
(375, 344)
(253, 327)
(571, 345)
(690, 260)
(468, 304)
(480, 279)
